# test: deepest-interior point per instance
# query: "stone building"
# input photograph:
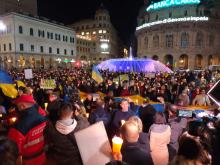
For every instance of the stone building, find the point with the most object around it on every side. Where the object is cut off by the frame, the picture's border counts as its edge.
(34, 42)
(181, 34)
(104, 42)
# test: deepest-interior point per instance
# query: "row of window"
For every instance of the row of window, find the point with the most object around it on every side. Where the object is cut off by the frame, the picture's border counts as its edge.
(50, 35)
(82, 49)
(4, 47)
(42, 50)
(100, 25)
(184, 41)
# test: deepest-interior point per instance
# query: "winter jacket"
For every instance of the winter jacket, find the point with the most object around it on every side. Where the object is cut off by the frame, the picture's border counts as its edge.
(62, 143)
(28, 134)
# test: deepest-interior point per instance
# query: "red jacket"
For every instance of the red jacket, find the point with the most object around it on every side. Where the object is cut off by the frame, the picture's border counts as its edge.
(28, 134)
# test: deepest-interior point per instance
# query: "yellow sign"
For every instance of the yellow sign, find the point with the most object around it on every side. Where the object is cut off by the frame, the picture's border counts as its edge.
(47, 83)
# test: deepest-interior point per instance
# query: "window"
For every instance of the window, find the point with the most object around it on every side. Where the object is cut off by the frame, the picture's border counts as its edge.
(31, 32)
(48, 35)
(32, 48)
(21, 47)
(51, 35)
(65, 52)
(184, 40)
(185, 13)
(20, 29)
(50, 50)
(169, 40)
(211, 40)
(156, 17)
(199, 39)
(4, 47)
(71, 52)
(0, 48)
(58, 51)
(170, 14)
(10, 48)
(146, 42)
(41, 49)
(156, 41)
(100, 17)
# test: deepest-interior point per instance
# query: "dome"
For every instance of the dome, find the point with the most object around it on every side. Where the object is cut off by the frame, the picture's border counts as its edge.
(134, 65)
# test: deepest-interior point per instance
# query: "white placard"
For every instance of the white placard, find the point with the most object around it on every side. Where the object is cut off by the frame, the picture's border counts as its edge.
(94, 145)
(28, 73)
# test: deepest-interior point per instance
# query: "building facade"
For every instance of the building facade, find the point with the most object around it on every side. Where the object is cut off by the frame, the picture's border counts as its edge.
(28, 6)
(181, 34)
(102, 38)
(35, 43)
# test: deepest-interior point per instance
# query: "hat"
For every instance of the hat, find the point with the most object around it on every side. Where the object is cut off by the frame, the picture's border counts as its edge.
(25, 98)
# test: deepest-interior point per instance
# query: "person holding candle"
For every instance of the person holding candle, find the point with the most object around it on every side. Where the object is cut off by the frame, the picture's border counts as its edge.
(123, 114)
(132, 153)
(28, 131)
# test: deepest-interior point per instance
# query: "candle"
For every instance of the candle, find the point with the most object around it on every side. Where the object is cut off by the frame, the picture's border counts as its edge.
(82, 100)
(12, 120)
(45, 105)
(122, 122)
(136, 100)
(87, 115)
(1, 115)
(116, 144)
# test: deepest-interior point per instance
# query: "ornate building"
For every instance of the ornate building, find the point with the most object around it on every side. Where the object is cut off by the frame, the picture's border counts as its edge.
(35, 42)
(101, 36)
(182, 34)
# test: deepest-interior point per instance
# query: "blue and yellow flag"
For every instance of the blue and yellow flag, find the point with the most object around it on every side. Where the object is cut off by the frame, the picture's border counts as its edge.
(96, 75)
(7, 85)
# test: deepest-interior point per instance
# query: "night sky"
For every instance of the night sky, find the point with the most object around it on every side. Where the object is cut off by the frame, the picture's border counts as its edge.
(123, 13)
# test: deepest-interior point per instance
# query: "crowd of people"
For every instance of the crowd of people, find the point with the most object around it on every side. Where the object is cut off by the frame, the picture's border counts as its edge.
(44, 134)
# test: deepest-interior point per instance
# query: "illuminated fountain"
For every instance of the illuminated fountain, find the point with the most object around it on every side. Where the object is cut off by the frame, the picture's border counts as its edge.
(133, 65)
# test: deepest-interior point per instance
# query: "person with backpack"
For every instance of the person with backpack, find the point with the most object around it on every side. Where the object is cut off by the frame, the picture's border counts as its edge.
(100, 114)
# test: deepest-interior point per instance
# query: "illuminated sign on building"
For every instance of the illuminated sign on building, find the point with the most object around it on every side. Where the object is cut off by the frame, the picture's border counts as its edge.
(169, 3)
(171, 20)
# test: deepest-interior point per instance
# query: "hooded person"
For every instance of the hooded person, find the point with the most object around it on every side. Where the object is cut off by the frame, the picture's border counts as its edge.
(28, 131)
(60, 137)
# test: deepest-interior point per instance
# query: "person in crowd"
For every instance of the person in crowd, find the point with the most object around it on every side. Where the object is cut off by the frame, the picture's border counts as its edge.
(89, 103)
(60, 137)
(28, 131)
(147, 113)
(100, 114)
(178, 125)
(54, 106)
(9, 153)
(143, 139)
(160, 133)
(21, 90)
(191, 151)
(202, 99)
(132, 153)
(123, 114)
(184, 97)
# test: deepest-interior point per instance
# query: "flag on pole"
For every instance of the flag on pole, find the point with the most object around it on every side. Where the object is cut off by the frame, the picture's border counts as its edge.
(96, 75)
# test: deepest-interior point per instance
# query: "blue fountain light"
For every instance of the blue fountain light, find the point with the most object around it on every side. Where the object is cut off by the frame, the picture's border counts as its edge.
(134, 65)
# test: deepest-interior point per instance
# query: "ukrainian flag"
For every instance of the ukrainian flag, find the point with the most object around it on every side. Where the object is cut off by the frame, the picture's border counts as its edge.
(7, 85)
(20, 83)
(96, 75)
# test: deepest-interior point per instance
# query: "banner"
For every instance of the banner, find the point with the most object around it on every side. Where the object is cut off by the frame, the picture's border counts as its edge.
(96, 75)
(47, 84)
(28, 74)
(124, 77)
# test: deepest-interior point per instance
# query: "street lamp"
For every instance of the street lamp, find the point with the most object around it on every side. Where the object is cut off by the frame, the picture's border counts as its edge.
(2, 26)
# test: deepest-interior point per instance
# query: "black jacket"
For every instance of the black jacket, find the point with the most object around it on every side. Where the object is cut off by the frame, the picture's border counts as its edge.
(63, 149)
(134, 155)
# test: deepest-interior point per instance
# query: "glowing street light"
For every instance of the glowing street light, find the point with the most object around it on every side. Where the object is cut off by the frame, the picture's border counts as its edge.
(2, 26)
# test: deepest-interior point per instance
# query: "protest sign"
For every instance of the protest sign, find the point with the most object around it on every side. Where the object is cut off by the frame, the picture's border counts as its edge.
(94, 145)
(47, 84)
(28, 74)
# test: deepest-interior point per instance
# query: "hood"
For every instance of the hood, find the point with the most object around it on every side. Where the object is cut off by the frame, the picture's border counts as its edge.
(65, 129)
